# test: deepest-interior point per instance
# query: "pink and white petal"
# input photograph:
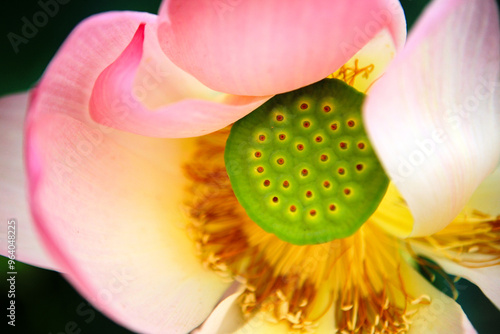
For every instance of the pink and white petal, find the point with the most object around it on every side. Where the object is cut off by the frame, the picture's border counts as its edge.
(227, 317)
(443, 315)
(432, 116)
(486, 198)
(13, 194)
(265, 47)
(145, 93)
(109, 205)
(486, 278)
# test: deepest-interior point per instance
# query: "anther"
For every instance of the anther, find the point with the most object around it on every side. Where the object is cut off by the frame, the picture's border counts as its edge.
(275, 199)
(286, 184)
(334, 126)
(359, 167)
(267, 183)
(332, 207)
(343, 145)
(293, 208)
(350, 123)
(318, 139)
(280, 161)
(326, 184)
(260, 169)
(324, 157)
(300, 147)
(306, 124)
(341, 171)
(279, 118)
(327, 108)
(258, 154)
(309, 194)
(262, 137)
(304, 172)
(304, 106)
(312, 213)
(282, 136)
(347, 191)
(361, 146)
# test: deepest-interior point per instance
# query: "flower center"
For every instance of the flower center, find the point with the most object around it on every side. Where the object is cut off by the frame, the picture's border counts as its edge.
(302, 166)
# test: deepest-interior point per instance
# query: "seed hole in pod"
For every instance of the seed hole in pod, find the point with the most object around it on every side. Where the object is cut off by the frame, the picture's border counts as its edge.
(275, 199)
(324, 157)
(304, 172)
(359, 167)
(280, 161)
(312, 213)
(318, 139)
(343, 145)
(341, 171)
(334, 126)
(347, 191)
(326, 184)
(332, 207)
(267, 183)
(309, 194)
(262, 138)
(282, 136)
(258, 154)
(327, 109)
(304, 106)
(361, 146)
(279, 118)
(300, 147)
(351, 123)
(286, 184)
(260, 169)
(306, 124)
(293, 208)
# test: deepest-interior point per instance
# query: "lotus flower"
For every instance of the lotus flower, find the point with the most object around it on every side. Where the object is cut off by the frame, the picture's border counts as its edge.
(128, 190)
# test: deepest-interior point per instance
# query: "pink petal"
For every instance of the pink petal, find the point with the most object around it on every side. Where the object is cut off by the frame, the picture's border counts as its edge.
(153, 97)
(13, 197)
(443, 315)
(227, 317)
(271, 46)
(432, 116)
(109, 204)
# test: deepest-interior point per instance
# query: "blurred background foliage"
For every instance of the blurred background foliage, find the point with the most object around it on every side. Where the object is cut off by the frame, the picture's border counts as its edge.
(46, 303)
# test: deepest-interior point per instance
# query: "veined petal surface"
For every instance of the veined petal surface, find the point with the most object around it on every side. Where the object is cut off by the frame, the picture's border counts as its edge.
(433, 118)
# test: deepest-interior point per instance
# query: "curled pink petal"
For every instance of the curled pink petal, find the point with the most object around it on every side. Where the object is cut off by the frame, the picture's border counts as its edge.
(433, 117)
(164, 102)
(108, 204)
(266, 47)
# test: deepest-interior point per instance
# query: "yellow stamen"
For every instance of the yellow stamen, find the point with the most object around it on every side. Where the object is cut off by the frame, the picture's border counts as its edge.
(348, 74)
(471, 240)
(359, 275)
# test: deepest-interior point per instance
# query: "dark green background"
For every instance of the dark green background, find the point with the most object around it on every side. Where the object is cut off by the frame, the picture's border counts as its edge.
(46, 303)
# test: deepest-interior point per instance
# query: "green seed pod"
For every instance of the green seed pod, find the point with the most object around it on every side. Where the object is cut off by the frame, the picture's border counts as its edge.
(308, 173)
